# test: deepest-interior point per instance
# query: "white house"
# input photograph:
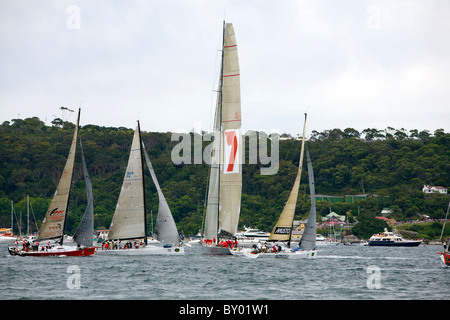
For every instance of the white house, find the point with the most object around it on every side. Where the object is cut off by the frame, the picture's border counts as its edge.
(385, 212)
(434, 189)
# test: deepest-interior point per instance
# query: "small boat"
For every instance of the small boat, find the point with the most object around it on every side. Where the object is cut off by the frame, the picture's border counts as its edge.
(6, 235)
(445, 254)
(251, 236)
(322, 241)
(279, 242)
(128, 232)
(391, 239)
(55, 220)
(225, 177)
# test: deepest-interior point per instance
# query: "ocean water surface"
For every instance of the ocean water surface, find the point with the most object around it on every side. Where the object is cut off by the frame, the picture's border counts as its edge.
(339, 273)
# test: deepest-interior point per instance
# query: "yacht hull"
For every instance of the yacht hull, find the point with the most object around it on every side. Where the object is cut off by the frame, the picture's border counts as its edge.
(394, 243)
(57, 251)
(145, 251)
(299, 254)
(215, 250)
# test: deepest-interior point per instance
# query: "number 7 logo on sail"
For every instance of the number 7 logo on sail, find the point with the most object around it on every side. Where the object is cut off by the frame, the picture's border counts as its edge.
(231, 151)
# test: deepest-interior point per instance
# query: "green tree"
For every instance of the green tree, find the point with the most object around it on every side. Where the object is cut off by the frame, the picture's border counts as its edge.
(368, 225)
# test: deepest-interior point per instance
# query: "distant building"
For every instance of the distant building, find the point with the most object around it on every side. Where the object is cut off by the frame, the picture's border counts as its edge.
(434, 189)
(299, 227)
(385, 212)
(333, 217)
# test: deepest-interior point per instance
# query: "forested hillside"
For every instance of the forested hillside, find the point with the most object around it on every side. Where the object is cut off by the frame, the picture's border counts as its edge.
(390, 166)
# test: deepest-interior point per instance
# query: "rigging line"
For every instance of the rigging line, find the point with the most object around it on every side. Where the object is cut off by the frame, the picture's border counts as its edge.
(220, 110)
(17, 221)
(443, 227)
(34, 217)
(216, 75)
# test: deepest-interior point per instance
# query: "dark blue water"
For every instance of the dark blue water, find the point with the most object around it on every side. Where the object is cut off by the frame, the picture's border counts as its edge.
(339, 273)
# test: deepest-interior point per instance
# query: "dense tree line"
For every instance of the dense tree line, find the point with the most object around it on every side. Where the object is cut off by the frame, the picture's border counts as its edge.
(390, 166)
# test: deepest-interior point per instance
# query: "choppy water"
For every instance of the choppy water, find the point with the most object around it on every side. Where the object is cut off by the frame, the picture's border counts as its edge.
(339, 272)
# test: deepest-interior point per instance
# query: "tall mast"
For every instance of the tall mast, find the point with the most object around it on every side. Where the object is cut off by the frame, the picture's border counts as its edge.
(28, 215)
(220, 126)
(443, 227)
(12, 217)
(300, 168)
(143, 184)
(68, 197)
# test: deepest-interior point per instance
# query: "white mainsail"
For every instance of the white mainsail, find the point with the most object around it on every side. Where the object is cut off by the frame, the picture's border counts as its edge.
(283, 228)
(55, 219)
(225, 185)
(166, 230)
(129, 220)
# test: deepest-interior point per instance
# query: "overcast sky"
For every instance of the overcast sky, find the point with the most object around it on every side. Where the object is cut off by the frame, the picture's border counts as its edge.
(357, 64)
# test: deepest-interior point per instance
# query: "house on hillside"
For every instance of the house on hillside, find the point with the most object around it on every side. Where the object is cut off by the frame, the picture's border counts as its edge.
(434, 189)
(385, 212)
(333, 218)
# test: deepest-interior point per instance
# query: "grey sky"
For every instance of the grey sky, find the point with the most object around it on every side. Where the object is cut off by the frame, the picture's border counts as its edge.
(358, 64)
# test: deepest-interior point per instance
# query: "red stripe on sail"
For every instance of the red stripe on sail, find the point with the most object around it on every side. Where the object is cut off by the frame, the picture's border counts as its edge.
(231, 120)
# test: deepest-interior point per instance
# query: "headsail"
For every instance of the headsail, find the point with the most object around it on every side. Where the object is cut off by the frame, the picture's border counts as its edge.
(308, 241)
(283, 228)
(55, 219)
(84, 234)
(129, 217)
(225, 186)
(166, 229)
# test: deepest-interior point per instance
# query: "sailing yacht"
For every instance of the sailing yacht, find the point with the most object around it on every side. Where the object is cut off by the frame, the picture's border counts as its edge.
(225, 181)
(282, 232)
(55, 220)
(128, 229)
